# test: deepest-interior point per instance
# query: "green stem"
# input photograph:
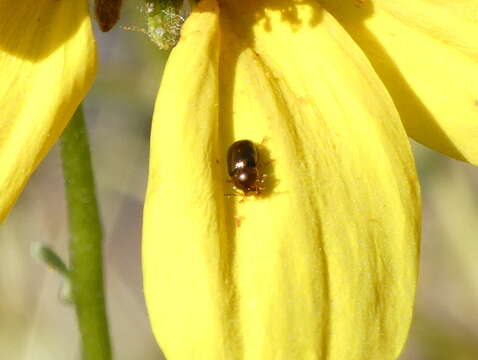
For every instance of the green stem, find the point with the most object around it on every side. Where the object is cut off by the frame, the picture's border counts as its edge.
(86, 272)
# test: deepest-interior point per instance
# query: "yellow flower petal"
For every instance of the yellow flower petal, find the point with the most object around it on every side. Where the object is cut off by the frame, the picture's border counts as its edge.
(323, 266)
(47, 64)
(426, 53)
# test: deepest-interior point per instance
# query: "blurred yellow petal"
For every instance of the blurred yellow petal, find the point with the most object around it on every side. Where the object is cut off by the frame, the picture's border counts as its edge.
(47, 64)
(426, 53)
(324, 264)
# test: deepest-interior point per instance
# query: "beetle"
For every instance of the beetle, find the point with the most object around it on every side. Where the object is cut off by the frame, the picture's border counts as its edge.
(243, 166)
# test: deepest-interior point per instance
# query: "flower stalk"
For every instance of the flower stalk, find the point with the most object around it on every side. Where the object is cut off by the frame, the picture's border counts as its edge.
(86, 272)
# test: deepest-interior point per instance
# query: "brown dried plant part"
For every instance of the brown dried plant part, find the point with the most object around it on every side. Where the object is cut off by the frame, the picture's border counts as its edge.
(107, 13)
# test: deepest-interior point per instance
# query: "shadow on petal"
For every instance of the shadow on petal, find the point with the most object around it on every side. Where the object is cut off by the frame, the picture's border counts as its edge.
(33, 29)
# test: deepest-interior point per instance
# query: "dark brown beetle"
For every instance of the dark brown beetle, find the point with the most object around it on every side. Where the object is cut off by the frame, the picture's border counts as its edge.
(243, 168)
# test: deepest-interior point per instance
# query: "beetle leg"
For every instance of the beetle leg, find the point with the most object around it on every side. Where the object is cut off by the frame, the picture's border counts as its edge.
(238, 220)
(264, 140)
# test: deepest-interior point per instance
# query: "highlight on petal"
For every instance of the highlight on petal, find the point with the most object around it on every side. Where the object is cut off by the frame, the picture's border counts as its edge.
(185, 243)
(47, 64)
(426, 53)
(324, 264)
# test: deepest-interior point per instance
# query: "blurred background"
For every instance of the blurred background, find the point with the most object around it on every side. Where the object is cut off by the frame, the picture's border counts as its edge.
(36, 326)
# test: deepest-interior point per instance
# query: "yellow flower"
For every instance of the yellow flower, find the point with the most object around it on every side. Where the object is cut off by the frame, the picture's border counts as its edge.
(324, 264)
